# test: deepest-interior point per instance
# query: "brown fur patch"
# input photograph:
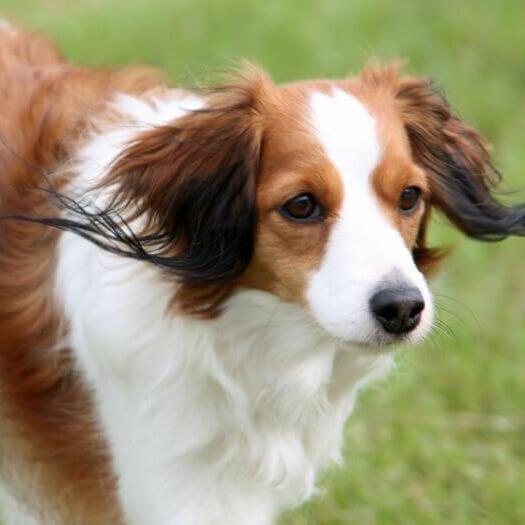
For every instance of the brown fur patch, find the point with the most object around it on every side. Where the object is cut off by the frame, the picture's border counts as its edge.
(397, 169)
(286, 252)
(378, 87)
(453, 156)
(50, 440)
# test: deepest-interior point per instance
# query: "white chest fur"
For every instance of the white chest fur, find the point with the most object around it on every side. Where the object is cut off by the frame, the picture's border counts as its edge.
(209, 422)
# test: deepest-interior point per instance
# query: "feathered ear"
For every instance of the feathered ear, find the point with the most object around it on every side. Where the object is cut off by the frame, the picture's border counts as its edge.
(183, 196)
(458, 163)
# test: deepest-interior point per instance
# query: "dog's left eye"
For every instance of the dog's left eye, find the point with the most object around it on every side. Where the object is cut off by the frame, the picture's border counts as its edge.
(409, 199)
(303, 207)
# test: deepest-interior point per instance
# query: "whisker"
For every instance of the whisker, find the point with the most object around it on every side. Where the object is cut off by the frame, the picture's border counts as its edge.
(461, 304)
(445, 329)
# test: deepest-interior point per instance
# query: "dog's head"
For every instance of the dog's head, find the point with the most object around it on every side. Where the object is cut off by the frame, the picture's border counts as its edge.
(317, 192)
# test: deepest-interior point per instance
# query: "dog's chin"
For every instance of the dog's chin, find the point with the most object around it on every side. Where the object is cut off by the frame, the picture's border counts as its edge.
(375, 344)
(380, 342)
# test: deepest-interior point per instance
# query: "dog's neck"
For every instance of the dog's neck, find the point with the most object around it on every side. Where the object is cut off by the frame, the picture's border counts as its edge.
(246, 407)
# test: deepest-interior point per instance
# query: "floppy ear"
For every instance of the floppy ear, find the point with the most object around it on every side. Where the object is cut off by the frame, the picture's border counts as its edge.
(183, 196)
(457, 161)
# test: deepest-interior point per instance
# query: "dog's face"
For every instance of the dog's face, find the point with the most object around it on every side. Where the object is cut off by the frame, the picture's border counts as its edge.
(316, 192)
(340, 204)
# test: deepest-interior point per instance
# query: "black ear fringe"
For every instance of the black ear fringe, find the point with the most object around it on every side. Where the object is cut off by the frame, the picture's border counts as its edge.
(221, 253)
(106, 229)
(468, 202)
(457, 159)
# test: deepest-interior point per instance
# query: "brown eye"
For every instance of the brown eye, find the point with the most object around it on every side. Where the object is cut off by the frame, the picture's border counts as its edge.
(409, 199)
(303, 207)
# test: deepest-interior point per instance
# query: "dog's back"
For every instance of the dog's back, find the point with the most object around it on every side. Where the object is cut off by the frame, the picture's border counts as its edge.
(25, 60)
(45, 108)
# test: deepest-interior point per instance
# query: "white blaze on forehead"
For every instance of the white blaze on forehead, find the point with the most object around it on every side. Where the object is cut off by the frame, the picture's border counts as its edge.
(347, 132)
(364, 248)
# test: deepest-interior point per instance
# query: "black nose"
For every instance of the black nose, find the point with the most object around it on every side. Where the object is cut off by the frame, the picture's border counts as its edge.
(398, 310)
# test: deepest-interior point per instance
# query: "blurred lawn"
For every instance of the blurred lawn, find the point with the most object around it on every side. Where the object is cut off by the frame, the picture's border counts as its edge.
(443, 441)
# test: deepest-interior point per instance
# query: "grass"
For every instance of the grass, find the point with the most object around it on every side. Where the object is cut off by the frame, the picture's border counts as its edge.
(443, 440)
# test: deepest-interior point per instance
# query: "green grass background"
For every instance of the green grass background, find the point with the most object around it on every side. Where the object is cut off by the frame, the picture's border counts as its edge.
(443, 440)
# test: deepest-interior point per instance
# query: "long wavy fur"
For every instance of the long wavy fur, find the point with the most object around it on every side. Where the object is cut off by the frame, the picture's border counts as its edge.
(191, 187)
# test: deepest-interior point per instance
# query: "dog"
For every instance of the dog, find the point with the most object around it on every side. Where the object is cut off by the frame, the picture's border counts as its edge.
(194, 286)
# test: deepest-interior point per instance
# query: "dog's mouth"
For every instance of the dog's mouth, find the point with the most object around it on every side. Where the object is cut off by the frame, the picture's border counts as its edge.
(379, 341)
(389, 342)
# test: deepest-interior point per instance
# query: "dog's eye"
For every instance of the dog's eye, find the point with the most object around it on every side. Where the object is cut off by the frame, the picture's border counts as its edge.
(409, 199)
(303, 207)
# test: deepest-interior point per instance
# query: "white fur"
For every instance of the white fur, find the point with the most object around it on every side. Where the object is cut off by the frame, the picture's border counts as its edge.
(12, 512)
(209, 422)
(364, 250)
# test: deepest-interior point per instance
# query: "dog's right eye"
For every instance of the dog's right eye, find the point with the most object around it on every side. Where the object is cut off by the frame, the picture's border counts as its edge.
(409, 199)
(303, 207)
